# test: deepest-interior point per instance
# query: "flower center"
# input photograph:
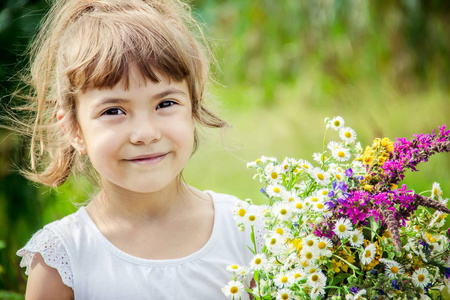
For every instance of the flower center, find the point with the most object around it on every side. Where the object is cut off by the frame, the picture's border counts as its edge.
(338, 177)
(276, 189)
(312, 271)
(394, 270)
(314, 199)
(421, 277)
(297, 275)
(273, 241)
(320, 176)
(368, 253)
(310, 243)
(337, 123)
(284, 279)
(285, 296)
(242, 212)
(274, 175)
(342, 228)
(348, 134)
(309, 255)
(257, 261)
(341, 154)
(319, 205)
(322, 245)
(252, 218)
(233, 290)
(234, 267)
(305, 166)
(279, 231)
(283, 211)
(354, 239)
(299, 205)
(315, 277)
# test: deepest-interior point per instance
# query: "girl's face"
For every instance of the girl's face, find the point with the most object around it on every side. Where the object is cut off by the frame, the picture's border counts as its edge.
(138, 139)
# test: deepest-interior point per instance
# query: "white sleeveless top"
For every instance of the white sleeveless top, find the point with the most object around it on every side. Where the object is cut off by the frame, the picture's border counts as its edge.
(95, 269)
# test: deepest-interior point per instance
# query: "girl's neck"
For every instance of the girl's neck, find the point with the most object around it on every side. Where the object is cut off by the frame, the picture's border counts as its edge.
(115, 202)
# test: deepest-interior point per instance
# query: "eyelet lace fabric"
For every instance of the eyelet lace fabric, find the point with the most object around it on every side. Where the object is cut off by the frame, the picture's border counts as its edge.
(50, 247)
(259, 230)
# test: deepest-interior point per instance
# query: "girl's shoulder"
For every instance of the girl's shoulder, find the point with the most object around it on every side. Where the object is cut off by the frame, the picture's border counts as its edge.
(50, 243)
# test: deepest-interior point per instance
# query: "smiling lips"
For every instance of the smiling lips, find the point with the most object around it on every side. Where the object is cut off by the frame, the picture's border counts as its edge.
(148, 159)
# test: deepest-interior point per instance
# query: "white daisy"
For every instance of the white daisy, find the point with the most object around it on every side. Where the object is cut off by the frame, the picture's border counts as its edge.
(320, 176)
(258, 262)
(282, 231)
(319, 207)
(436, 191)
(275, 190)
(316, 279)
(283, 280)
(274, 243)
(284, 294)
(310, 242)
(285, 166)
(392, 268)
(316, 292)
(336, 123)
(234, 269)
(334, 145)
(282, 210)
(233, 290)
(323, 192)
(343, 228)
(368, 254)
(305, 165)
(356, 238)
(240, 211)
(341, 154)
(308, 255)
(420, 278)
(338, 174)
(251, 219)
(347, 134)
(299, 206)
(324, 244)
(297, 274)
(311, 269)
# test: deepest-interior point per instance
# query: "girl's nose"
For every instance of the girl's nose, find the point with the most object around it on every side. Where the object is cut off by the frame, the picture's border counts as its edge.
(144, 131)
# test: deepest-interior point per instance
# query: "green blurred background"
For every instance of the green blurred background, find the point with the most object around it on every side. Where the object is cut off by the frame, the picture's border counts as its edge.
(282, 67)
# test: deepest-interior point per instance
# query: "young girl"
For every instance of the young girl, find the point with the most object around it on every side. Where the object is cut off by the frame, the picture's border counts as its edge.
(118, 88)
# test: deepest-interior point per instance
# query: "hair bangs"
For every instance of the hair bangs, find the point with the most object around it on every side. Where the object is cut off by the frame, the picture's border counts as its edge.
(125, 45)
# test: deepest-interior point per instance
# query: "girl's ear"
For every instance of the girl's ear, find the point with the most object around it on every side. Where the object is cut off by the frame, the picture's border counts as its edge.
(73, 132)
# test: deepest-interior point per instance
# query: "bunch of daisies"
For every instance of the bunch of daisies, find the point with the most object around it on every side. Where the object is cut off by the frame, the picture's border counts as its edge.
(340, 227)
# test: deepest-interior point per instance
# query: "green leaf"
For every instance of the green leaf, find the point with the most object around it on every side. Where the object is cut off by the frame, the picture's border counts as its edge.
(340, 278)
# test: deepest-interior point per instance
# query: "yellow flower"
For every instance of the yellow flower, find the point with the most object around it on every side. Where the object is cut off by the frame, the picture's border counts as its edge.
(384, 142)
(297, 243)
(376, 143)
(368, 187)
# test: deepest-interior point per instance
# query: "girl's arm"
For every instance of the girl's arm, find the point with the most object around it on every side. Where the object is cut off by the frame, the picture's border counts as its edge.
(44, 282)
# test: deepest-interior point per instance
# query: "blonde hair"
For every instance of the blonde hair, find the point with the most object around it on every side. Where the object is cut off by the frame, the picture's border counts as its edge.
(86, 44)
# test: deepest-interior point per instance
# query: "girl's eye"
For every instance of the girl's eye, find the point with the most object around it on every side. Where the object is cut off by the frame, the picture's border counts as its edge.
(165, 104)
(113, 111)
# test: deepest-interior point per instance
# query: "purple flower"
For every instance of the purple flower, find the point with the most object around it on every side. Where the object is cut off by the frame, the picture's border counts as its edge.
(349, 172)
(447, 273)
(354, 290)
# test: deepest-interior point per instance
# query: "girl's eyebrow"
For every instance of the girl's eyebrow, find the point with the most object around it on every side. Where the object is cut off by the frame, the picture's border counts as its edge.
(167, 92)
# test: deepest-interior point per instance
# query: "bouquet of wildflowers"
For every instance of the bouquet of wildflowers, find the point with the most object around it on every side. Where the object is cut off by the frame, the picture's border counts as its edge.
(344, 228)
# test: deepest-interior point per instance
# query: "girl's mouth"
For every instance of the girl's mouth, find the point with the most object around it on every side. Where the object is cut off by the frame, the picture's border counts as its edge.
(148, 159)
